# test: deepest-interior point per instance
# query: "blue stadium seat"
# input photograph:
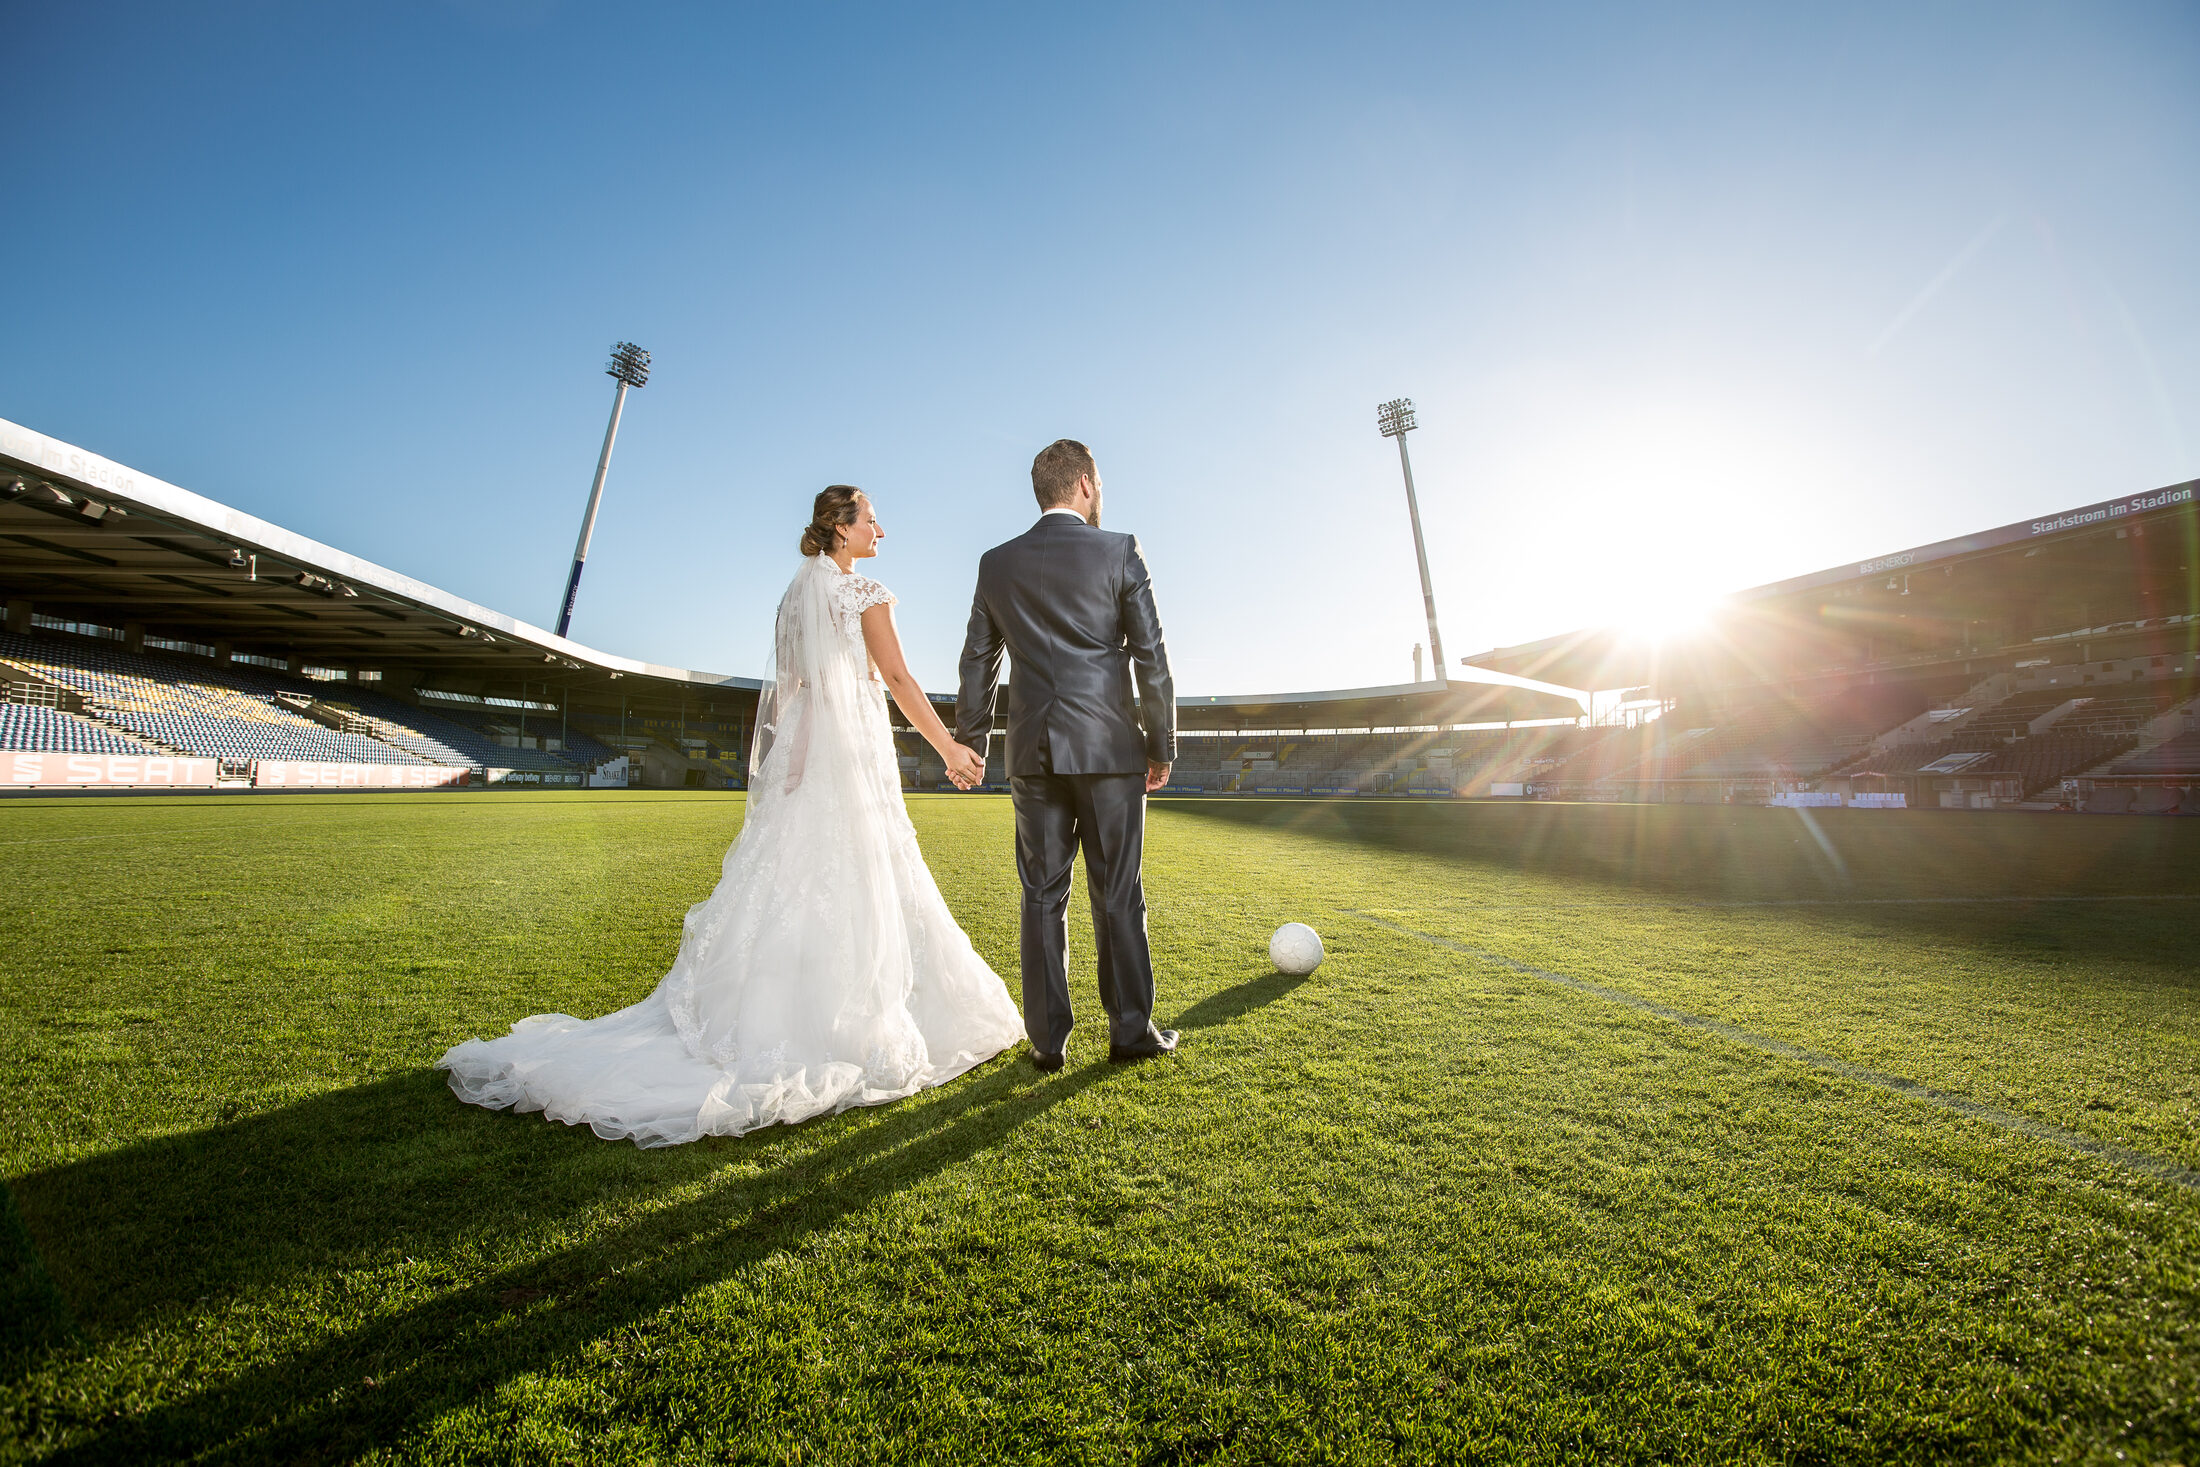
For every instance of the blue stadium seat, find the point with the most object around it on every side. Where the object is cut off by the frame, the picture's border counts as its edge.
(49, 730)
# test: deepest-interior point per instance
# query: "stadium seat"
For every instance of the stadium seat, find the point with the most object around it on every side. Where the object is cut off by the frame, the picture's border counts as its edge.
(50, 730)
(2177, 756)
(191, 707)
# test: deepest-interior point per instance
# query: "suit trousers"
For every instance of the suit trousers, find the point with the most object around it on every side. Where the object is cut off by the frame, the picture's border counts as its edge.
(1105, 814)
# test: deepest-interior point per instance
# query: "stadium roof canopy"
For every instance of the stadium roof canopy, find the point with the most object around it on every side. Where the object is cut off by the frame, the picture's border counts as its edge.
(89, 541)
(2099, 578)
(83, 538)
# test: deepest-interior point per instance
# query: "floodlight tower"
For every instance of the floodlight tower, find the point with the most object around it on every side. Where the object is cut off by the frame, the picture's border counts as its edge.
(1395, 418)
(630, 365)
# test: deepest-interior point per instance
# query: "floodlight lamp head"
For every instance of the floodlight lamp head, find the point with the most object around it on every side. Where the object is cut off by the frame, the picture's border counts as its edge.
(630, 364)
(1395, 417)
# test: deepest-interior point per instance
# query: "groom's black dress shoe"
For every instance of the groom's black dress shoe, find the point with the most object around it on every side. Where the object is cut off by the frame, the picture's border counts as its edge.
(1157, 1042)
(1046, 1064)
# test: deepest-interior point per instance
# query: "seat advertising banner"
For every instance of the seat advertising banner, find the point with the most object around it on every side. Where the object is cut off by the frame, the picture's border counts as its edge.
(300, 775)
(19, 767)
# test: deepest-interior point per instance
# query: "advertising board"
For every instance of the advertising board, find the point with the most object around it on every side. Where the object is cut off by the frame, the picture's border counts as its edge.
(531, 776)
(21, 768)
(300, 775)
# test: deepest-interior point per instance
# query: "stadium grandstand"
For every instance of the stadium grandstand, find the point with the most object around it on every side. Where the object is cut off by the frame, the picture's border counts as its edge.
(2050, 664)
(154, 637)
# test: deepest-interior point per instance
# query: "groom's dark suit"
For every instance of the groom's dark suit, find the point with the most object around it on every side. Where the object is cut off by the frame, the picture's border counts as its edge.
(1072, 606)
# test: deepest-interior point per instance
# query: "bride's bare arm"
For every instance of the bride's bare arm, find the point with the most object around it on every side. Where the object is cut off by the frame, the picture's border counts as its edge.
(884, 644)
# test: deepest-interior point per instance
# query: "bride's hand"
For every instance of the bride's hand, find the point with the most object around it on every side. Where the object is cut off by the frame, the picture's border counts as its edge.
(965, 767)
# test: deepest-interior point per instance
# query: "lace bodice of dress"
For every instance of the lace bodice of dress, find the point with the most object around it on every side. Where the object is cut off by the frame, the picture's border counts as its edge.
(852, 595)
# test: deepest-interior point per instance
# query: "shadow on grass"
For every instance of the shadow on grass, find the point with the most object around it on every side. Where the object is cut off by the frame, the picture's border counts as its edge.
(1719, 854)
(398, 1170)
(1238, 999)
(33, 1319)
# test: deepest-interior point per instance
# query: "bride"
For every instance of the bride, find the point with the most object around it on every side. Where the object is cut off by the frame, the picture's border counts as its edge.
(825, 971)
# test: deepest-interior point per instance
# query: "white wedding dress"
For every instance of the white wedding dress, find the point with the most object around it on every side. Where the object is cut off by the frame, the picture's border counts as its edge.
(824, 972)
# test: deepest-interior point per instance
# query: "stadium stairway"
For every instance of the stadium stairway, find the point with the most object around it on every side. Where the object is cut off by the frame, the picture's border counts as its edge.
(189, 706)
(2176, 758)
(22, 685)
(36, 729)
(1796, 740)
(1980, 698)
(2053, 735)
(2039, 738)
(40, 715)
(2174, 730)
(2046, 759)
(72, 723)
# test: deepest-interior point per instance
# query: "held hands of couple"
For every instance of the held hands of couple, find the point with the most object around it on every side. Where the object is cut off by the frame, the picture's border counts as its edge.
(964, 766)
(967, 770)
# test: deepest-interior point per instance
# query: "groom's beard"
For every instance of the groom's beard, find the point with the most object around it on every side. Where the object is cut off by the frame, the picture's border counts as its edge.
(1093, 519)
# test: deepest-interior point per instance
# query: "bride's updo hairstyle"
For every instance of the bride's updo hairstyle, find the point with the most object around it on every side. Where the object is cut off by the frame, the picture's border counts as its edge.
(834, 509)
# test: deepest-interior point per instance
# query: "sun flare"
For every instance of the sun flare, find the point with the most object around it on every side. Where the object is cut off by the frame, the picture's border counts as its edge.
(1656, 617)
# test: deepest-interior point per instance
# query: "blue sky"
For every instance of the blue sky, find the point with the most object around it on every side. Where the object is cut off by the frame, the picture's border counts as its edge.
(1691, 298)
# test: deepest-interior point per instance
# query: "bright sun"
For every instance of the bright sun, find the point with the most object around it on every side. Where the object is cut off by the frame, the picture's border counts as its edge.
(1662, 618)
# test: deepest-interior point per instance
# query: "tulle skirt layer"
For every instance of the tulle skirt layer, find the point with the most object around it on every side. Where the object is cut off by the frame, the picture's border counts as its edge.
(825, 971)
(628, 1076)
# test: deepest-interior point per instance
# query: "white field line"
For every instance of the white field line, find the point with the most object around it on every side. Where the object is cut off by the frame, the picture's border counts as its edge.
(2022, 1125)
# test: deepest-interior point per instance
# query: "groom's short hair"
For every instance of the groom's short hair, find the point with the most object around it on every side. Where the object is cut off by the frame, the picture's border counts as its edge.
(1055, 472)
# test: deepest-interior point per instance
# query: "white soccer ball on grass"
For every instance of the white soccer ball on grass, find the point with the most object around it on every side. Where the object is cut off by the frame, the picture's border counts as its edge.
(1295, 949)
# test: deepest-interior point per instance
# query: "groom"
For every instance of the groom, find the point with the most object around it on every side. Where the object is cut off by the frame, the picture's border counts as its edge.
(1072, 606)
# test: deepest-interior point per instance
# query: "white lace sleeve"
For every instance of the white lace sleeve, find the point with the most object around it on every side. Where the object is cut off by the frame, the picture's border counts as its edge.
(854, 595)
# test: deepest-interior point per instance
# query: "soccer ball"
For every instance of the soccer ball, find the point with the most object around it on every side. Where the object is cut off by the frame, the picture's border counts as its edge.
(1296, 949)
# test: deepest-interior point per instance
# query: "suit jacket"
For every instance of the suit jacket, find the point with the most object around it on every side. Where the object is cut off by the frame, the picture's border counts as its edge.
(1073, 608)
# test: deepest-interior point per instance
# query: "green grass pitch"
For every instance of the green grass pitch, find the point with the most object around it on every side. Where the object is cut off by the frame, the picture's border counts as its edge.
(1606, 1133)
